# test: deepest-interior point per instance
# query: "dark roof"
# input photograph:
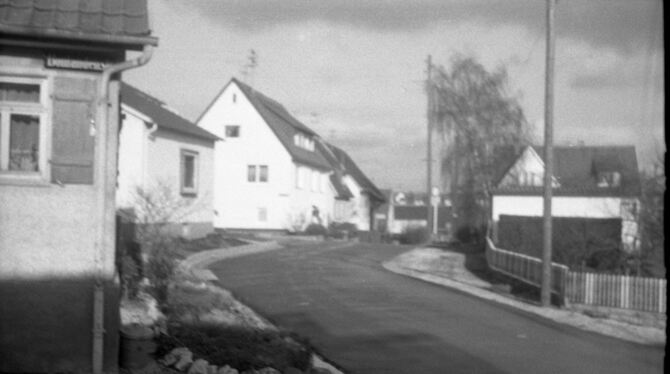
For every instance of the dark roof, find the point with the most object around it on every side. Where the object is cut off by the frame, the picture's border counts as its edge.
(282, 123)
(577, 167)
(343, 192)
(106, 21)
(348, 165)
(160, 114)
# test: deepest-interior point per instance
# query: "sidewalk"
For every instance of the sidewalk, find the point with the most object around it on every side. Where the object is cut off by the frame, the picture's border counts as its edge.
(448, 269)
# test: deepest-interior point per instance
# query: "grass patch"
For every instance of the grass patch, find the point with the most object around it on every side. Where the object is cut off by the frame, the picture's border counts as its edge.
(240, 347)
(213, 240)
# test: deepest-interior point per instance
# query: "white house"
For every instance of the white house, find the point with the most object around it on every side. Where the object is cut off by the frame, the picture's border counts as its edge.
(269, 174)
(357, 197)
(168, 157)
(590, 182)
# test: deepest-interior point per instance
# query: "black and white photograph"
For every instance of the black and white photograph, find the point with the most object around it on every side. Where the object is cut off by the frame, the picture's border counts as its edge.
(332, 186)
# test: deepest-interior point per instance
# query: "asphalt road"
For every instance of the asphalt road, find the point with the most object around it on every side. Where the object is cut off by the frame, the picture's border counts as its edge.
(368, 320)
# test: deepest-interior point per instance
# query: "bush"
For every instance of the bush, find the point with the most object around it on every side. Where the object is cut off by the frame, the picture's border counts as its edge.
(239, 347)
(470, 234)
(414, 235)
(341, 230)
(129, 263)
(161, 269)
(316, 229)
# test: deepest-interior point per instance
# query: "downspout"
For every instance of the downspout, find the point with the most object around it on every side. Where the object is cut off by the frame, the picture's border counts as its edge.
(105, 182)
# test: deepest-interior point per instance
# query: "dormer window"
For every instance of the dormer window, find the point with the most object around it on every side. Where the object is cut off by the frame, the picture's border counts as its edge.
(609, 179)
(302, 141)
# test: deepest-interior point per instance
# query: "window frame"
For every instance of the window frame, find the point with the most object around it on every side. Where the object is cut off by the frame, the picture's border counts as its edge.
(232, 127)
(189, 190)
(261, 177)
(252, 177)
(41, 110)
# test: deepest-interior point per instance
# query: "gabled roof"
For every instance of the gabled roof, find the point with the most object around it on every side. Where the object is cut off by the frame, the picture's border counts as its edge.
(160, 114)
(281, 122)
(107, 21)
(341, 161)
(577, 168)
(343, 192)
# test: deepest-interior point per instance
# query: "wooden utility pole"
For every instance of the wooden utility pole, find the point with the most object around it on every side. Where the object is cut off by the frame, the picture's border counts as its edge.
(429, 155)
(548, 156)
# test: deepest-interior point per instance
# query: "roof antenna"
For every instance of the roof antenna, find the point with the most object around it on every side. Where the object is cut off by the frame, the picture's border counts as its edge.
(249, 68)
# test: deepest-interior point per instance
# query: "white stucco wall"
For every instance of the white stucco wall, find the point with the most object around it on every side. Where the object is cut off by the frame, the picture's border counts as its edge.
(568, 206)
(132, 157)
(48, 231)
(562, 206)
(150, 160)
(238, 202)
(309, 195)
(360, 214)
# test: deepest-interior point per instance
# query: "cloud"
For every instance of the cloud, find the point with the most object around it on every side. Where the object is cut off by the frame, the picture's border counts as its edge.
(622, 24)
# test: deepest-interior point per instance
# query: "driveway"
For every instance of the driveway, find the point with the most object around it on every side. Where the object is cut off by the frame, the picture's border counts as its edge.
(368, 320)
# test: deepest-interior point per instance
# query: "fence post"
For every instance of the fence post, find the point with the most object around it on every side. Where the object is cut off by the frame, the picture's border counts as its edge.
(661, 294)
(588, 291)
(623, 301)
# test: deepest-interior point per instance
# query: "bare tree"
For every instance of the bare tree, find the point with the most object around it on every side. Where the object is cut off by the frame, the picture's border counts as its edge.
(475, 116)
(651, 221)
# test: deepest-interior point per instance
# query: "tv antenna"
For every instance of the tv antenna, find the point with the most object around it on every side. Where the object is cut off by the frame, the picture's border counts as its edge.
(249, 68)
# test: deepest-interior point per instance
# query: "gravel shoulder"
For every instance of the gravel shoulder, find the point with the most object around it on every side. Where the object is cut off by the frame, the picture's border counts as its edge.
(448, 269)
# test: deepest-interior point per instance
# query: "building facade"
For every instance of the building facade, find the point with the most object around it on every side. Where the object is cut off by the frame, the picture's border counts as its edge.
(164, 156)
(59, 84)
(268, 174)
(589, 182)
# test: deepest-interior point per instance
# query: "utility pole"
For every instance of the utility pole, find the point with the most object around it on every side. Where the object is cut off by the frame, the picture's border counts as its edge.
(429, 156)
(548, 156)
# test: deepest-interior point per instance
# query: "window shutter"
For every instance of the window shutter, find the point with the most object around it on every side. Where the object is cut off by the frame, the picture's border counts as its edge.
(72, 148)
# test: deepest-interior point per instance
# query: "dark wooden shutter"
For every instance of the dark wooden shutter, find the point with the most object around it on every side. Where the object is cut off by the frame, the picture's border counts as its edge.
(72, 143)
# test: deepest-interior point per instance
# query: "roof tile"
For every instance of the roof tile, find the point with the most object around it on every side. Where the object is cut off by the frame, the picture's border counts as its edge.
(284, 125)
(63, 18)
(162, 116)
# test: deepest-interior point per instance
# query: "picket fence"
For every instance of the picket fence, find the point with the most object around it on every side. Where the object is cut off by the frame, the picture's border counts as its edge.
(617, 291)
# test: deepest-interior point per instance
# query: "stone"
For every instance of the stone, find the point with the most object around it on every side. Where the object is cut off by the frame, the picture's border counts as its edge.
(319, 371)
(227, 370)
(199, 366)
(185, 360)
(174, 356)
(268, 370)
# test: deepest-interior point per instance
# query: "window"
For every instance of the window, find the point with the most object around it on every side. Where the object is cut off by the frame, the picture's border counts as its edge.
(609, 179)
(189, 172)
(251, 173)
(22, 126)
(257, 173)
(263, 214)
(302, 141)
(263, 177)
(232, 131)
(315, 180)
(234, 98)
(300, 176)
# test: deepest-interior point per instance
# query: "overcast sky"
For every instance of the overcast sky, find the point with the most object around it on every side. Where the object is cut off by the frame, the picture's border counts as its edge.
(353, 70)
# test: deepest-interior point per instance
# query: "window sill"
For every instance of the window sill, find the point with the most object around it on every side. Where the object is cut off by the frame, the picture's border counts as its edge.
(189, 193)
(13, 179)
